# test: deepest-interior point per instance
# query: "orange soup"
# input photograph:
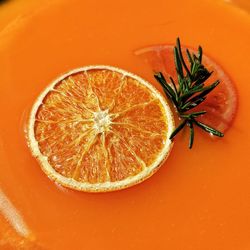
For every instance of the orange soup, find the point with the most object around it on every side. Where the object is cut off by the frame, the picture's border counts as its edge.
(199, 199)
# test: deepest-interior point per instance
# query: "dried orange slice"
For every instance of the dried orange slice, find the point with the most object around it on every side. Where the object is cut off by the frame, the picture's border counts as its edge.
(221, 104)
(100, 128)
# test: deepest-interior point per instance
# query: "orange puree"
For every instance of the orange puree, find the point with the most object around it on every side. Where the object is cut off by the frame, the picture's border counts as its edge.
(199, 199)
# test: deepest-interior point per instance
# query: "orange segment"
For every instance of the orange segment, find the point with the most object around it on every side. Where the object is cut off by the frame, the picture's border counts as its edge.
(100, 128)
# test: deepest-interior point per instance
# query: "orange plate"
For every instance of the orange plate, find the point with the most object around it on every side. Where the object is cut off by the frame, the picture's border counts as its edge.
(200, 199)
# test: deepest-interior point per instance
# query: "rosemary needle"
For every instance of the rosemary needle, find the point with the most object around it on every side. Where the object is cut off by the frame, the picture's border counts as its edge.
(189, 92)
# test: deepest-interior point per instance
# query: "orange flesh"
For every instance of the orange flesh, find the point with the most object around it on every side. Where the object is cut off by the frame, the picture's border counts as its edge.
(199, 199)
(93, 128)
(220, 105)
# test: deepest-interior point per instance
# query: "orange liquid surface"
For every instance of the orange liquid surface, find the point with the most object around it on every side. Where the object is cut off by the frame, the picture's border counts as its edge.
(199, 199)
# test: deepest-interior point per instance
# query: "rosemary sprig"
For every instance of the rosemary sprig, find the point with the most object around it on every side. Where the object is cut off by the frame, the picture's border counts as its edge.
(189, 92)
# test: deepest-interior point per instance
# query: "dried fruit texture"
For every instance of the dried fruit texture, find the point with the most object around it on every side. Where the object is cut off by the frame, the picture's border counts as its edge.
(100, 129)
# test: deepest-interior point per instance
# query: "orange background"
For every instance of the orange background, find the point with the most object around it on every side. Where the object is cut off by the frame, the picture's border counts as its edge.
(200, 199)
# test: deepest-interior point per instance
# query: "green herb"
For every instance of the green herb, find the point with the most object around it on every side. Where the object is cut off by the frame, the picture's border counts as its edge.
(189, 92)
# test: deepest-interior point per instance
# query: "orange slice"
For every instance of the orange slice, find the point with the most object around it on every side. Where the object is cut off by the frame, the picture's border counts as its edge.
(221, 104)
(100, 128)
